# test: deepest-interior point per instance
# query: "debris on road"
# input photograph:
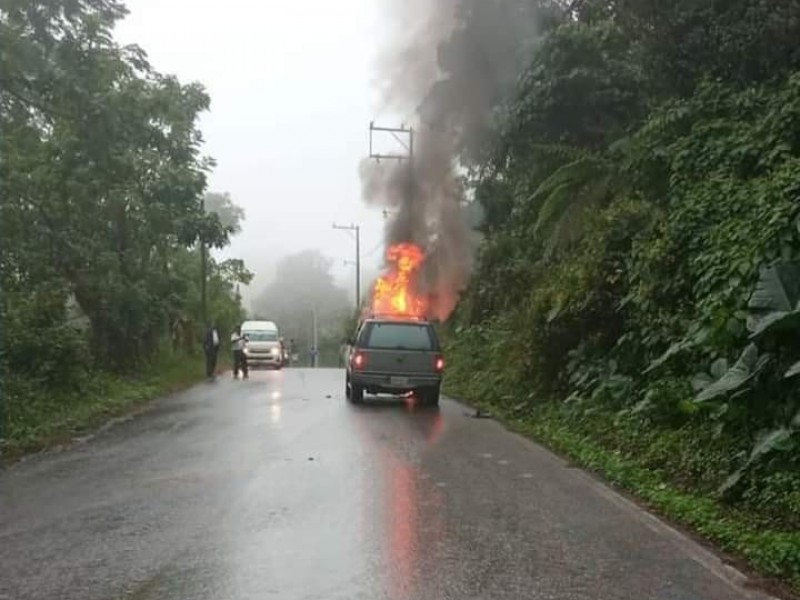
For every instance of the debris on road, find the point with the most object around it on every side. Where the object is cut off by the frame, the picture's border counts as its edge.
(480, 414)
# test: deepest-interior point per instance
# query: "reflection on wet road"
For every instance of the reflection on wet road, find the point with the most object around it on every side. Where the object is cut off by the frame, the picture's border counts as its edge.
(277, 488)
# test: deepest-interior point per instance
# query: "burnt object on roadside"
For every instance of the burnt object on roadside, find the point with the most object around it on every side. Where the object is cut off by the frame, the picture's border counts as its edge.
(481, 414)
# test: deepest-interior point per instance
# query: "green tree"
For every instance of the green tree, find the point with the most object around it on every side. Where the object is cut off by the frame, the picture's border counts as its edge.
(101, 181)
(640, 243)
(230, 215)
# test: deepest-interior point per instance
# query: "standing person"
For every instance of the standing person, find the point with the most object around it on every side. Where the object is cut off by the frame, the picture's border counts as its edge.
(239, 345)
(211, 349)
(284, 353)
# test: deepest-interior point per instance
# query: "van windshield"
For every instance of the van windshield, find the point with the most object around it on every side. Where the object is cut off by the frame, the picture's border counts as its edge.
(262, 336)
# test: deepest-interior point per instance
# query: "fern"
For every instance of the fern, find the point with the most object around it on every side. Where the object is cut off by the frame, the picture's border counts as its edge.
(563, 200)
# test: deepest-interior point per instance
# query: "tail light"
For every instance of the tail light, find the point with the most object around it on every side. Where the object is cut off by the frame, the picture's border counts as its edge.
(359, 360)
(438, 364)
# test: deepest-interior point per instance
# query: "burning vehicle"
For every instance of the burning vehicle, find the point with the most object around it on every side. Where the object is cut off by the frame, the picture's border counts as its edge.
(395, 349)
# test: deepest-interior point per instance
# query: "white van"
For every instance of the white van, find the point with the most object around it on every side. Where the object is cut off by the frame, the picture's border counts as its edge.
(264, 346)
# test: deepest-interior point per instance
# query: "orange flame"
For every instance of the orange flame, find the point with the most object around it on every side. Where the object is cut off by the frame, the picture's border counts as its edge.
(394, 293)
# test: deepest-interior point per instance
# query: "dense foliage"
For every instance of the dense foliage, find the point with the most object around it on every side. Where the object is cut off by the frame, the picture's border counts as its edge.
(640, 264)
(101, 212)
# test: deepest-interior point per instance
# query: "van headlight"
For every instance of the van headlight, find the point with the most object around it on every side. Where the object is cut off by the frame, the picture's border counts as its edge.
(245, 351)
(275, 352)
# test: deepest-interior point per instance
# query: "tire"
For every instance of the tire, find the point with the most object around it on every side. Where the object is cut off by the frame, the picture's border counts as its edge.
(356, 394)
(430, 396)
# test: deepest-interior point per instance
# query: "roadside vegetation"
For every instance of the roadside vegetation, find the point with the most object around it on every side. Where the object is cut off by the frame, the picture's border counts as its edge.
(101, 217)
(636, 300)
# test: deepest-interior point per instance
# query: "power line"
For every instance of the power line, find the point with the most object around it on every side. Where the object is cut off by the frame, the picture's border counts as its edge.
(378, 246)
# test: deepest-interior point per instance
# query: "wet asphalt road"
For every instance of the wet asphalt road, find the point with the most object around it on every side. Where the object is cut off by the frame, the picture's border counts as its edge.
(276, 488)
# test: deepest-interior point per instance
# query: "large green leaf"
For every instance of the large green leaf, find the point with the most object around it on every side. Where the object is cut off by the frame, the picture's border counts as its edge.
(775, 303)
(673, 350)
(744, 370)
(580, 185)
(701, 381)
(793, 370)
(777, 440)
(554, 204)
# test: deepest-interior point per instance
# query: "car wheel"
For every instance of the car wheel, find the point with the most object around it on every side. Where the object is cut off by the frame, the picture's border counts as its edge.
(430, 396)
(356, 394)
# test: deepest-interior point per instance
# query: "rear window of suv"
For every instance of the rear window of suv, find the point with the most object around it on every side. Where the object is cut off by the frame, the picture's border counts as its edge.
(398, 336)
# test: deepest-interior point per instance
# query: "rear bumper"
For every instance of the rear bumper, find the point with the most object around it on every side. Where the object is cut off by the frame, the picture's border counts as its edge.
(394, 382)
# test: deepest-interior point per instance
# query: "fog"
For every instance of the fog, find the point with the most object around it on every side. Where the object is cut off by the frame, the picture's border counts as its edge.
(292, 86)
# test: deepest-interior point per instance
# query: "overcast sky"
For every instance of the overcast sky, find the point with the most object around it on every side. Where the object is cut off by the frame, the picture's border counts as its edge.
(292, 95)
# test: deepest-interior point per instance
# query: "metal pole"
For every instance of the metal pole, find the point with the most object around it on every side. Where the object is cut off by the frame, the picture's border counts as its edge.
(357, 229)
(315, 336)
(203, 266)
(410, 165)
(395, 132)
(358, 267)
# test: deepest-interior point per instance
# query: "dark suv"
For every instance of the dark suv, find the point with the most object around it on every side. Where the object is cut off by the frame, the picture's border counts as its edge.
(393, 356)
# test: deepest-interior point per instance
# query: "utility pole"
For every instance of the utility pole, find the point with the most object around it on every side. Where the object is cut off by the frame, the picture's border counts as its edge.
(203, 266)
(314, 337)
(357, 229)
(405, 137)
(398, 133)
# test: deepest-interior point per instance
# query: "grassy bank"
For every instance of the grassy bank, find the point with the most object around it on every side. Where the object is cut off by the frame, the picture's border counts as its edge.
(35, 417)
(669, 472)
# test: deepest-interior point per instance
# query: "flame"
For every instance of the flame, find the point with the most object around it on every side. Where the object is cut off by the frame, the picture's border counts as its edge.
(394, 293)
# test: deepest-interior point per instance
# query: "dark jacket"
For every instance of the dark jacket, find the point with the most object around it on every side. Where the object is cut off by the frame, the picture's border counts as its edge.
(208, 341)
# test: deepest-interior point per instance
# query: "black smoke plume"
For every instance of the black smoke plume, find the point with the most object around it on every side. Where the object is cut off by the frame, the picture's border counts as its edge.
(448, 66)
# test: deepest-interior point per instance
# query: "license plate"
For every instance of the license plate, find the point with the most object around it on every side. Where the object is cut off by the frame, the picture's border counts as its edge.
(398, 381)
